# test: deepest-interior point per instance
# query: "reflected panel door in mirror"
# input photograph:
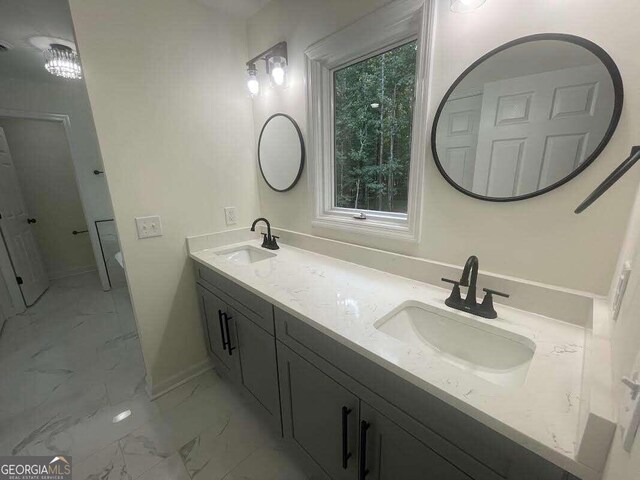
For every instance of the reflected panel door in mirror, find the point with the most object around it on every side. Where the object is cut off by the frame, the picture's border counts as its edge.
(545, 107)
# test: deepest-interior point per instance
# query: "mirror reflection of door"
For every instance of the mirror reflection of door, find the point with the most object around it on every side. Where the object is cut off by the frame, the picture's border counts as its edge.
(527, 117)
(537, 129)
(17, 230)
(458, 137)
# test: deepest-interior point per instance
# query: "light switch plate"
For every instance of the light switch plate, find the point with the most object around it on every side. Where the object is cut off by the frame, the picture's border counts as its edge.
(621, 288)
(149, 226)
(230, 215)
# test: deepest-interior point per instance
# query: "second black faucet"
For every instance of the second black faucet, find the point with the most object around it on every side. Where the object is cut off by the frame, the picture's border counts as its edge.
(470, 303)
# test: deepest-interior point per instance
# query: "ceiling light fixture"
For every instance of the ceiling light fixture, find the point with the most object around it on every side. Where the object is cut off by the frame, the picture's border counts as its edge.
(62, 61)
(462, 6)
(275, 59)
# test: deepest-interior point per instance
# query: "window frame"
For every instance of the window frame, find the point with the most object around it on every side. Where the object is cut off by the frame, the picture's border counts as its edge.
(389, 27)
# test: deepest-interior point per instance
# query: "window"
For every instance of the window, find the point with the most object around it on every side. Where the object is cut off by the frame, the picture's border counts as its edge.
(373, 114)
(367, 127)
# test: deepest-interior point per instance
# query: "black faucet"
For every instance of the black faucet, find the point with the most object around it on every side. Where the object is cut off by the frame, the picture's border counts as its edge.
(268, 240)
(470, 303)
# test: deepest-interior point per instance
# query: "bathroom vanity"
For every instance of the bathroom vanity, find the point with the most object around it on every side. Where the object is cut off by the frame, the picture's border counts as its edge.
(372, 376)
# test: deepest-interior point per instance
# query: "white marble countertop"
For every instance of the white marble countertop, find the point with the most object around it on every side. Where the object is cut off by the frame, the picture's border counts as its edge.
(344, 300)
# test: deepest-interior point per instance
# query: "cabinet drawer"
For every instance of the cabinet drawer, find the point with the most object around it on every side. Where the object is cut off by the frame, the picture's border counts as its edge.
(250, 305)
(454, 435)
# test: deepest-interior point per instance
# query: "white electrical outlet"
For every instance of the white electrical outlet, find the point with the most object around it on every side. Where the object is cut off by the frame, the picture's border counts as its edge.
(230, 215)
(149, 226)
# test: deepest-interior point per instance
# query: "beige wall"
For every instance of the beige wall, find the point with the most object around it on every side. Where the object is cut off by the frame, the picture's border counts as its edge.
(41, 155)
(166, 84)
(538, 239)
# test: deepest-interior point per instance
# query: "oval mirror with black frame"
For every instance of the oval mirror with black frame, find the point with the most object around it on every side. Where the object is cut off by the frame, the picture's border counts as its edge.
(527, 117)
(281, 152)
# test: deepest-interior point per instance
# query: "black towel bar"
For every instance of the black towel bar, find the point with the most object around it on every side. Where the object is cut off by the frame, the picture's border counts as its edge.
(611, 179)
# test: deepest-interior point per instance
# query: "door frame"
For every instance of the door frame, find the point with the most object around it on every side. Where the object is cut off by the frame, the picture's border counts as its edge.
(9, 278)
(93, 235)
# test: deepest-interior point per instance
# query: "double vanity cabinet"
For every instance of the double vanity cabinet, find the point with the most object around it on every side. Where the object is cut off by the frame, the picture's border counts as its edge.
(353, 418)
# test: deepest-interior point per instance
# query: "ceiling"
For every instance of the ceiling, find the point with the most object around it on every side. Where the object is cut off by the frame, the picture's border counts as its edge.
(240, 8)
(21, 20)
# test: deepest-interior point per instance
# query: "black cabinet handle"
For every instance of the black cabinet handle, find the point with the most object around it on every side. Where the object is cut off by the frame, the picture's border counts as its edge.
(224, 342)
(31, 220)
(345, 448)
(364, 426)
(226, 327)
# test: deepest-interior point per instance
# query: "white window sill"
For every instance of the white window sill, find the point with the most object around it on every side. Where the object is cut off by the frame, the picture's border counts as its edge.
(369, 227)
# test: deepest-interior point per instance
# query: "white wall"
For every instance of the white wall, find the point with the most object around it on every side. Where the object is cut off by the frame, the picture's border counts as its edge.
(623, 465)
(166, 81)
(539, 239)
(68, 98)
(40, 153)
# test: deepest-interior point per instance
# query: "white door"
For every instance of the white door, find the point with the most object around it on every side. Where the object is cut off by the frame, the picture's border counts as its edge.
(458, 140)
(535, 130)
(17, 231)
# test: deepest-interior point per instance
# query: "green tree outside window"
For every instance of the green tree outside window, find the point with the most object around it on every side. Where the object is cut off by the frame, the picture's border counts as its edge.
(373, 116)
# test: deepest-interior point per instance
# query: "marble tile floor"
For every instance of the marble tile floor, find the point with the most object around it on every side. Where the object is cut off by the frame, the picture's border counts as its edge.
(72, 363)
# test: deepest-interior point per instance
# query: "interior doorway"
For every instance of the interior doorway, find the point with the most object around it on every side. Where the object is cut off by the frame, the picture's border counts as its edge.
(43, 223)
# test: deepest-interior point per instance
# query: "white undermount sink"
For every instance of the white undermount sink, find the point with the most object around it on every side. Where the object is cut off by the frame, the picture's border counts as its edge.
(484, 350)
(245, 254)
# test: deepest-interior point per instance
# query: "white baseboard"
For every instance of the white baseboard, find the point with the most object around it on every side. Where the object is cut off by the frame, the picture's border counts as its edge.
(155, 390)
(70, 272)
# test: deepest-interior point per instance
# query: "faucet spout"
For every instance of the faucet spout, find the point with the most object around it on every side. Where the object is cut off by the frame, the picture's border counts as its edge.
(470, 304)
(470, 279)
(269, 240)
(262, 219)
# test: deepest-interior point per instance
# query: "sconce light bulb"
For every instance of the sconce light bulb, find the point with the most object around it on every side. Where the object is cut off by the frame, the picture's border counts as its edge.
(278, 69)
(252, 81)
(254, 86)
(278, 75)
(461, 6)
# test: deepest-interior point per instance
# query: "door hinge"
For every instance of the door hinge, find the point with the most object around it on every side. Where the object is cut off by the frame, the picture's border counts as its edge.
(19, 280)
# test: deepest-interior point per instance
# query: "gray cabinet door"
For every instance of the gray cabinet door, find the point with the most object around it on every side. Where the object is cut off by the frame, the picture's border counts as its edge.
(390, 453)
(312, 415)
(212, 309)
(258, 364)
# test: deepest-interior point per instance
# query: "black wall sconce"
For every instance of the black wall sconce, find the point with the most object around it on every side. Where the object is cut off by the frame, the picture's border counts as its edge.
(275, 59)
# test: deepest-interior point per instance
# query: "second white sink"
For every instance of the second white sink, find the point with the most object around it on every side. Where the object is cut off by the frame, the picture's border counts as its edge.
(484, 350)
(245, 254)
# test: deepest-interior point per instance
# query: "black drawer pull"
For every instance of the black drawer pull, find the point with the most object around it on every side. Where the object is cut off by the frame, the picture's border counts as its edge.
(224, 342)
(345, 448)
(226, 327)
(364, 426)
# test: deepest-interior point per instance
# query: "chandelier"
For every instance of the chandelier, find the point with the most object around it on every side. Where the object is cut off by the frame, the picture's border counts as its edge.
(62, 61)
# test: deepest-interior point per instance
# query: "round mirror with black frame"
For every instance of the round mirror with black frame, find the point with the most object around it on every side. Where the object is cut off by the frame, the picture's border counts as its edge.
(281, 152)
(527, 117)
